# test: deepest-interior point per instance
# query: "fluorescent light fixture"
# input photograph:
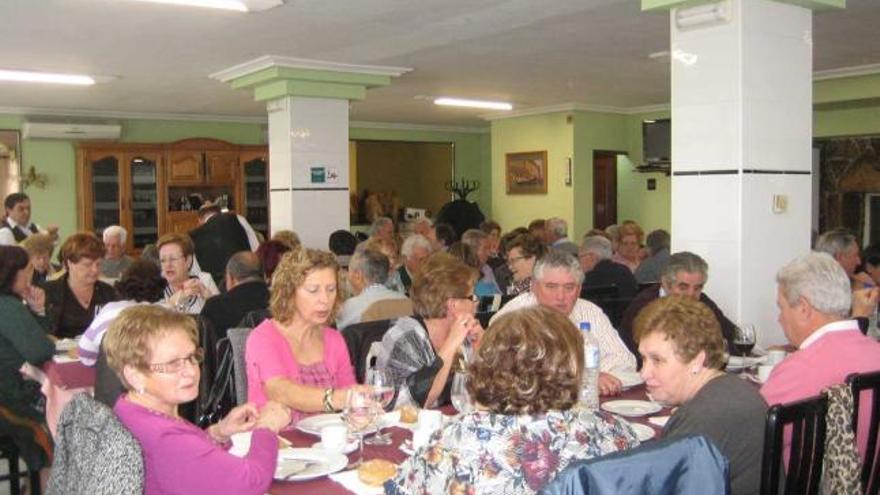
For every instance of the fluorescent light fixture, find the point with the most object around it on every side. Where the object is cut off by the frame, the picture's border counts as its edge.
(237, 5)
(458, 102)
(45, 77)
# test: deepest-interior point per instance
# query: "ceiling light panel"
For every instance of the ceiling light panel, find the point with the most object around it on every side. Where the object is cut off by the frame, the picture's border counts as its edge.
(45, 77)
(460, 102)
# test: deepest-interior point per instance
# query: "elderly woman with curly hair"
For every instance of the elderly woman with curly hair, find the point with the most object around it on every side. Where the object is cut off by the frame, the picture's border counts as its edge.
(141, 283)
(629, 248)
(295, 358)
(420, 351)
(524, 382)
(523, 251)
(683, 351)
(39, 247)
(73, 300)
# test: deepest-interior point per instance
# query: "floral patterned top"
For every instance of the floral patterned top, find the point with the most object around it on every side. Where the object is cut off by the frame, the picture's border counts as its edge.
(484, 452)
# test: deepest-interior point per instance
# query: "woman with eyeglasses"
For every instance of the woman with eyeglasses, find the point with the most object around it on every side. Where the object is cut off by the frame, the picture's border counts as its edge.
(420, 351)
(523, 251)
(186, 292)
(154, 352)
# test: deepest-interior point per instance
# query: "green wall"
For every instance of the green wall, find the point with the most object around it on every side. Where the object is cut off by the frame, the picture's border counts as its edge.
(846, 120)
(549, 132)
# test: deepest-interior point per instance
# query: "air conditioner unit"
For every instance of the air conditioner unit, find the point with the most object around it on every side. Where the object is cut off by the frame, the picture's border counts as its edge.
(70, 130)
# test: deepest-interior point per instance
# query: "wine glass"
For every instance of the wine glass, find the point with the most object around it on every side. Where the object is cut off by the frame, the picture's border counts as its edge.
(359, 415)
(383, 393)
(743, 342)
(461, 399)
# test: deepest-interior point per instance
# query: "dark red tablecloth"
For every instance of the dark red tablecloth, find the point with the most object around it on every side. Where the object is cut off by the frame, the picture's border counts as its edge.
(326, 486)
(70, 375)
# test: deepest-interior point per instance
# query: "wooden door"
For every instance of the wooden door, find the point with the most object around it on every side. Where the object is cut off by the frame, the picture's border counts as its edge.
(222, 167)
(185, 168)
(604, 189)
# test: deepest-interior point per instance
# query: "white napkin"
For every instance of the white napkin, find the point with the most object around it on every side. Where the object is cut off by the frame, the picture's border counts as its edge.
(64, 358)
(350, 480)
(658, 420)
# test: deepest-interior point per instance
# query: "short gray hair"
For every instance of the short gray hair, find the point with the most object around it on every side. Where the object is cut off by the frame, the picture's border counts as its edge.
(115, 231)
(558, 226)
(244, 265)
(818, 278)
(413, 242)
(372, 263)
(556, 258)
(598, 245)
(378, 224)
(657, 240)
(473, 238)
(835, 241)
(684, 261)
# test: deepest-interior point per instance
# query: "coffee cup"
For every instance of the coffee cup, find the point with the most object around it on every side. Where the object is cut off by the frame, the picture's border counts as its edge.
(430, 420)
(764, 372)
(334, 438)
(775, 356)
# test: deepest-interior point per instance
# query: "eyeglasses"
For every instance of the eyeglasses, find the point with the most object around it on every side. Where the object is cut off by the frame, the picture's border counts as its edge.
(472, 298)
(170, 259)
(175, 366)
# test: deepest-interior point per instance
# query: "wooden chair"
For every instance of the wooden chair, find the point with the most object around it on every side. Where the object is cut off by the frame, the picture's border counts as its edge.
(866, 387)
(14, 475)
(358, 338)
(804, 423)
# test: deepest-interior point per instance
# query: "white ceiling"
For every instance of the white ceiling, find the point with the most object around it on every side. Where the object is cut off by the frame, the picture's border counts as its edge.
(532, 53)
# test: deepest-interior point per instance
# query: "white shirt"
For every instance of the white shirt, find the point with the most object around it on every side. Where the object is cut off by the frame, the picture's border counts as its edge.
(613, 354)
(835, 326)
(6, 236)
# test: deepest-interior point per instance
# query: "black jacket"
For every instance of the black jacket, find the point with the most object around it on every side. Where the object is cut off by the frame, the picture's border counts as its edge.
(225, 311)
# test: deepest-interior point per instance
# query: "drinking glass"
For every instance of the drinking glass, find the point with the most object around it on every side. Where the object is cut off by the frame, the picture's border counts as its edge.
(383, 393)
(359, 415)
(744, 339)
(461, 399)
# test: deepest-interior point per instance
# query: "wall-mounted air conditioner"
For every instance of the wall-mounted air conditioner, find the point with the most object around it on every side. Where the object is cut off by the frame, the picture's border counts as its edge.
(70, 130)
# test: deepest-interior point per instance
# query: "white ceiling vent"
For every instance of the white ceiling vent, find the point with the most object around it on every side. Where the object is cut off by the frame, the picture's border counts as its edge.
(69, 130)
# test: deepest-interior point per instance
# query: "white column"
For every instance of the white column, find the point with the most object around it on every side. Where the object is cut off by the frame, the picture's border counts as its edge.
(741, 136)
(308, 167)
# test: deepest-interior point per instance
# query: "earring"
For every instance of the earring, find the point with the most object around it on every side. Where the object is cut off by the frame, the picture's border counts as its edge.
(140, 390)
(694, 371)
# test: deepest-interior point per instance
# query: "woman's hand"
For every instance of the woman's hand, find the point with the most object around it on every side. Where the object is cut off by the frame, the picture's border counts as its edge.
(36, 299)
(609, 384)
(239, 419)
(195, 287)
(273, 416)
(864, 301)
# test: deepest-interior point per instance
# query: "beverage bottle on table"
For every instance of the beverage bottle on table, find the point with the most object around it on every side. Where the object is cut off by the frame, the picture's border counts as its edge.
(589, 397)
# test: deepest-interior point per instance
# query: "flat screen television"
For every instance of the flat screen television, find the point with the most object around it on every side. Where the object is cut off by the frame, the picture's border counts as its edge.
(657, 142)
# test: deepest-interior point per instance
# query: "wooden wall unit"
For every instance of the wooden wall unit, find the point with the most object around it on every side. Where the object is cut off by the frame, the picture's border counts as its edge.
(152, 189)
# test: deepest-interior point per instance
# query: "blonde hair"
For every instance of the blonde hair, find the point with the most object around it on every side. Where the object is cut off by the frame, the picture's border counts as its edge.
(39, 243)
(441, 277)
(136, 329)
(182, 240)
(290, 274)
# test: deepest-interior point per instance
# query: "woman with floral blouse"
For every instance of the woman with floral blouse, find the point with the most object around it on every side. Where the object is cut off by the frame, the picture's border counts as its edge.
(524, 381)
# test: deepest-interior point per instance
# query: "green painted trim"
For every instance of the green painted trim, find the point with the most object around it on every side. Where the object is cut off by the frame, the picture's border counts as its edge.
(846, 89)
(279, 89)
(273, 74)
(807, 4)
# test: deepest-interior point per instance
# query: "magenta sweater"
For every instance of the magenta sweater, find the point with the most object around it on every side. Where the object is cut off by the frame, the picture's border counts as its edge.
(181, 458)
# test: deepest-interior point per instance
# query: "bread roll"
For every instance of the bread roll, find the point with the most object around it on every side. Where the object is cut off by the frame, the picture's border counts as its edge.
(376, 472)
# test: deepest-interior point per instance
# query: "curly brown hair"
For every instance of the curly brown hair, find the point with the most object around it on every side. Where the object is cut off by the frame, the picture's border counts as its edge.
(136, 329)
(529, 245)
(289, 276)
(442, 277)
(690, 325)
(81, 245)
(529, 361)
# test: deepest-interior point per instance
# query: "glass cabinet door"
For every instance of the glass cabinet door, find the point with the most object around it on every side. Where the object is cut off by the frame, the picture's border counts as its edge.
(256, 195)
(105, 192)
(144, 203)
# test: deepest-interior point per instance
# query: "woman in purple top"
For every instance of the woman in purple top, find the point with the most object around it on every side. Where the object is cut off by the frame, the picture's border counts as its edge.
(153, 350)
(295, 358)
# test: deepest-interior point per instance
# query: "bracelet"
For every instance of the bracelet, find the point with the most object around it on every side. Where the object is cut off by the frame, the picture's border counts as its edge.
(328, 400)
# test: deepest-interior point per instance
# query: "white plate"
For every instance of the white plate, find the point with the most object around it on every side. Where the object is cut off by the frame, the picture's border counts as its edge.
(292, 460)
(643, 432)
(65, 345)
(631, 408)
(629, 379)
(349, 447)
(313, 424)
(740, 362)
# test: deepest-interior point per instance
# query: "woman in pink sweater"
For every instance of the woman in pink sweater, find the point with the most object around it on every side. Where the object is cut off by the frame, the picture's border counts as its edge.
(153, 350)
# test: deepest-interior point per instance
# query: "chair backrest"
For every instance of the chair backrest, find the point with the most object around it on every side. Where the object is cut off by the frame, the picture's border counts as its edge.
(600, 292)
(237, 341)
(221, 398)
(687, 465)
(866, 387)
(358, 338)
(372, 354)
(387, 309)
(94, 452)
(802, 424)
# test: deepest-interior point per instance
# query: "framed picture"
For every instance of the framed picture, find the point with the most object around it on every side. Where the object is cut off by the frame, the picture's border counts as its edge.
(526, 172)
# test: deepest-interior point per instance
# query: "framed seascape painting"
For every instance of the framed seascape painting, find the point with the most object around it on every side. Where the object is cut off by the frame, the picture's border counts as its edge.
(526, 172)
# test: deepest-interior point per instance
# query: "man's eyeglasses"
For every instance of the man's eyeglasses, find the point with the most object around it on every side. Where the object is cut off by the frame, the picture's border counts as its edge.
(177, 365)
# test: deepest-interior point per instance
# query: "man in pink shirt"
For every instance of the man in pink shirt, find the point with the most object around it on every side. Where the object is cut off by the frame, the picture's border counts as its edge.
(814, 301)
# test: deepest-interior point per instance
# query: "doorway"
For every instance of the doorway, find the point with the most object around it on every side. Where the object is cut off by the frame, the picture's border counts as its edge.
(604, 188)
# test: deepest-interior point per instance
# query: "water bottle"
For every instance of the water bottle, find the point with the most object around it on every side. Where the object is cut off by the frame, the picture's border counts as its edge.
(589, 397)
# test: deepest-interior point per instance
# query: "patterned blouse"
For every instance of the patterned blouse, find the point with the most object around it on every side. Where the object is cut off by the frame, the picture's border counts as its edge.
(484, 452)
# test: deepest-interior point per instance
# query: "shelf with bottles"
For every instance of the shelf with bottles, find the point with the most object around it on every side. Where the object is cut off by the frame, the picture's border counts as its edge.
(191, 198)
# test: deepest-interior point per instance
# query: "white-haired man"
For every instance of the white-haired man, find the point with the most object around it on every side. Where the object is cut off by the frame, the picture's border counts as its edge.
(556, 284)
(115, 260)
(599, 271)
(556, 234)
(367, 273)
(414, 250)
(814, 298)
